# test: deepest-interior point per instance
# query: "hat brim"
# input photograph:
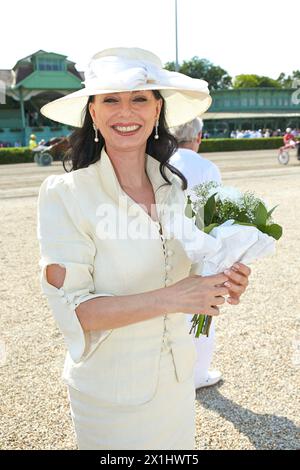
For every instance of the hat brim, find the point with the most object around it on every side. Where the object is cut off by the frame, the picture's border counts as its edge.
(181, 105)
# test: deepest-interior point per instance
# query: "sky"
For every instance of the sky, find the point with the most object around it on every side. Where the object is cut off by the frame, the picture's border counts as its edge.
(257, 36)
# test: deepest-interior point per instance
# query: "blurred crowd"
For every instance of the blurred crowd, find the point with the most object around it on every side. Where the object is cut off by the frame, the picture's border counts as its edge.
(4, 143)
(260, 133)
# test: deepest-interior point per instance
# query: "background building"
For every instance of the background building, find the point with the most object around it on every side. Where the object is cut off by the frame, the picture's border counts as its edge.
(45, 76)
(34, 81)
(252, 108)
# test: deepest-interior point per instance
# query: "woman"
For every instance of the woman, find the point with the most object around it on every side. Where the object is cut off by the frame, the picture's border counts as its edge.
(115, 284)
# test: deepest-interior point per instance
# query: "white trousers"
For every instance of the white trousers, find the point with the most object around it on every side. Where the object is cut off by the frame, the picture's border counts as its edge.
(205, 349)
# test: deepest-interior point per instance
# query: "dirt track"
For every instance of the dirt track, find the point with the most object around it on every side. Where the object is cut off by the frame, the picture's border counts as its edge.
(258, 342)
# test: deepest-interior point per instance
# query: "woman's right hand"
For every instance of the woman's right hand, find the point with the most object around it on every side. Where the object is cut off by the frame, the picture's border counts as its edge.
(197, 294)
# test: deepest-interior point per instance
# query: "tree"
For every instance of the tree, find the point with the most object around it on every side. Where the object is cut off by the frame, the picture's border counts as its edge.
(255, 81)
(245, 81)
(216, 77)
(289, 81)
(267, 82)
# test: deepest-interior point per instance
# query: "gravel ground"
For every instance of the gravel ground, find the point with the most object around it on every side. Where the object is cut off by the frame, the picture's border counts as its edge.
(256, 406)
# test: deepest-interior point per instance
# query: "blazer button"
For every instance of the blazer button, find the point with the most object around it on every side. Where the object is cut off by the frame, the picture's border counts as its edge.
(168, 267)
(168, 281)
(170, 252)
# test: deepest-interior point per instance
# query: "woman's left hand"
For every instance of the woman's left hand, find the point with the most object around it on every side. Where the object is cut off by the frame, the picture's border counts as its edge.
(238, 282)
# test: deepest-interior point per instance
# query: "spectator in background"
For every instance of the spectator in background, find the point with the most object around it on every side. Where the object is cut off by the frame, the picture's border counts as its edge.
(288, 140)
(258, 134)
(32, 141)
(197, 169)
(288, 137)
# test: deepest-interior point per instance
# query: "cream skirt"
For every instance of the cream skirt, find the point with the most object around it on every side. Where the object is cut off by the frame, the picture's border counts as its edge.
(166, 422)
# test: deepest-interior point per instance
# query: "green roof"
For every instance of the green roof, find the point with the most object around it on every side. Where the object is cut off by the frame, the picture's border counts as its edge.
(50, 80)
(42, 53)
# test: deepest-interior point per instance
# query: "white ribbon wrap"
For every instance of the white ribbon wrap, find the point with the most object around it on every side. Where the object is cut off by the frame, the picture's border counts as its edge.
(225, 245)
(119, 73)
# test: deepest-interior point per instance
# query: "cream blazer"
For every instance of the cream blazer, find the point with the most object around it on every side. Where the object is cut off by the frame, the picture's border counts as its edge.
(109, 246)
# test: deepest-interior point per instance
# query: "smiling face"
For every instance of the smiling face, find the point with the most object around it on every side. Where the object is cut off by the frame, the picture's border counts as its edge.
(125, 119)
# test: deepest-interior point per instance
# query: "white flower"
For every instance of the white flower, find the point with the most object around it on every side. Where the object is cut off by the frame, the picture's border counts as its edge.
(229, 193)
(193, 196)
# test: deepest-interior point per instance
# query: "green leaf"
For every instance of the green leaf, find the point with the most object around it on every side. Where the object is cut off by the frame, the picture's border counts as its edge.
(274, 231)
(271, 211)
(237, 222)
(243, 217)
(263, 228)
(261, 214)
(209, 210)
(209, 228)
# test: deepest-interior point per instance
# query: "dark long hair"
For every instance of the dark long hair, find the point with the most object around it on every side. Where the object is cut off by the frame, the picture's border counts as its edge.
(84, 151)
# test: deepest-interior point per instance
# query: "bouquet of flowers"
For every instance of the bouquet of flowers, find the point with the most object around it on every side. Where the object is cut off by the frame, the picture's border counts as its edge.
(228, 226)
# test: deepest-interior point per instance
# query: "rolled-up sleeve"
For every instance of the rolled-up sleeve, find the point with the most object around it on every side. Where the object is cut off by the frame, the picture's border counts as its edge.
(64, 241)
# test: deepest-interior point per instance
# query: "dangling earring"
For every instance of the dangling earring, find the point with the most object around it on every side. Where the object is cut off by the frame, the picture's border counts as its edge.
(156, 136)
(96, 139)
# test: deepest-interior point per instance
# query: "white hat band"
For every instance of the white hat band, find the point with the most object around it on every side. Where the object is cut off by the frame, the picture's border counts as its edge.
(121, 73)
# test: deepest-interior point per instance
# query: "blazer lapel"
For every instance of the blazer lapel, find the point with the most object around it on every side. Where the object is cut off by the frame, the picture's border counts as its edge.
(112, 187)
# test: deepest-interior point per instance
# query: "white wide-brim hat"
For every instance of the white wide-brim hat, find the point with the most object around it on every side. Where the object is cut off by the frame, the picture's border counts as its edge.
(129, 69)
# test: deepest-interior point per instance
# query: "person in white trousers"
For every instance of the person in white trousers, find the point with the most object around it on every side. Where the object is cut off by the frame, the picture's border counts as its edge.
(197, 170)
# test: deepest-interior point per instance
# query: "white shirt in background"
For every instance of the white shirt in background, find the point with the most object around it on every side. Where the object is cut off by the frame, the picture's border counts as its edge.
(195, 168)
(198, 170)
